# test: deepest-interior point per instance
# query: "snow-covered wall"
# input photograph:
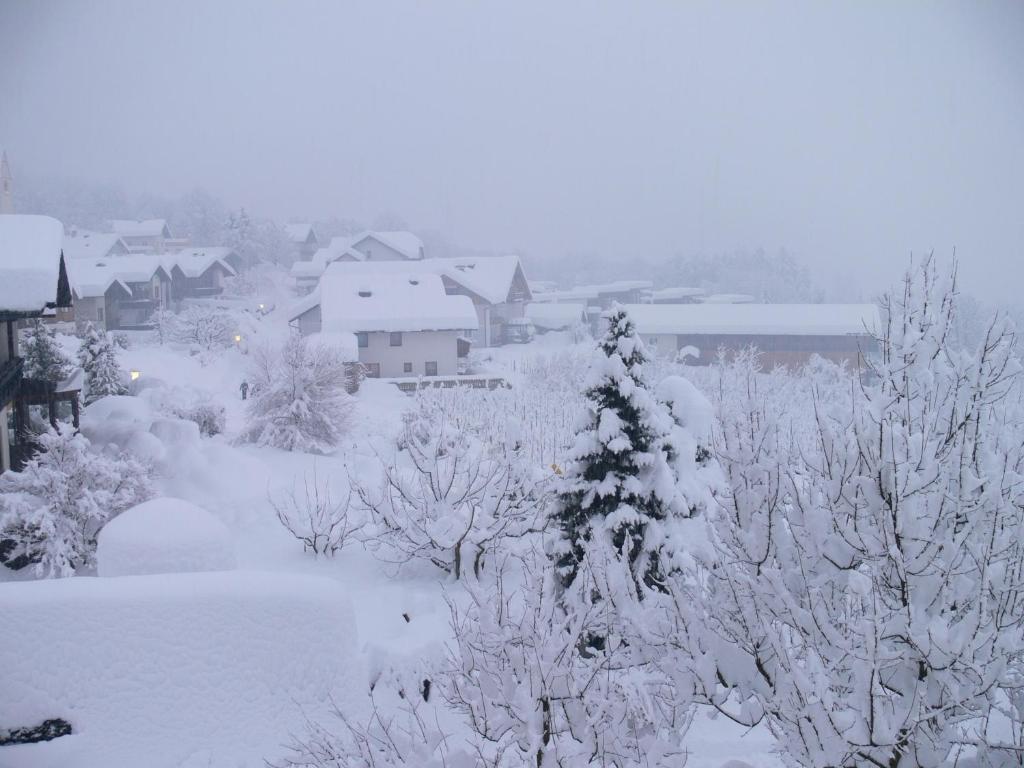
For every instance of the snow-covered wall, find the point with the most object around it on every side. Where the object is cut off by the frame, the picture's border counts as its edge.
(155, 670)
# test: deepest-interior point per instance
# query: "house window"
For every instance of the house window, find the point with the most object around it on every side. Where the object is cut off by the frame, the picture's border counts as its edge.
(396, 338)
(363, 339)
(430, 368)
(652, 342)
(372, 370)
(407, 367)
(99, 314)
(369, 254)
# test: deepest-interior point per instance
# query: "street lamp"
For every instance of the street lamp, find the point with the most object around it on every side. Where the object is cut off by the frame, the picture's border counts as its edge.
(238, 338)
(134, 375)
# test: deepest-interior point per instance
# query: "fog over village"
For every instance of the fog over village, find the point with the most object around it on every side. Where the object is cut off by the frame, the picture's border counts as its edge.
(439, 385)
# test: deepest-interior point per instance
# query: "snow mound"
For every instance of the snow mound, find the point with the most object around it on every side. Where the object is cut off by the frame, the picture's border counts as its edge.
(167, 670)
(164, 536)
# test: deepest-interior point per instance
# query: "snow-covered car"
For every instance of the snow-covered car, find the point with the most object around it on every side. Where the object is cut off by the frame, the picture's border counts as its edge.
(519, 330)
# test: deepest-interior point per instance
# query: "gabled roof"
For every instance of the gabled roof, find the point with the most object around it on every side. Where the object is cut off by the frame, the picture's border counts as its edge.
(84, 244)
(90, 279)
(406, 243)
(489, 277)
(193, 262)
(336, 249)
(141, 227)
(755, 319)
(30, 252)
(299, 233)
(388, 301)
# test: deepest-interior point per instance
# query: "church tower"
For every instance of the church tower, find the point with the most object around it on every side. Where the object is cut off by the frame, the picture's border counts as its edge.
(6, 185)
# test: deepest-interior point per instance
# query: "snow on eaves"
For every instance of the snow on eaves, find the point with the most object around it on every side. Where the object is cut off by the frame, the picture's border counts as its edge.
(755, 319)
(30, 250)
(93, 277)
(386, 301)
(680, 292)
(406, 243)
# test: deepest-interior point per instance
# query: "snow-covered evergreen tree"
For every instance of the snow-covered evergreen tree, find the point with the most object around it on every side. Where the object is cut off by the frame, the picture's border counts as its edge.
(865, 592)
(44, 359)
(52, 510)
(98, 357)
(299, 400)
(619, 482)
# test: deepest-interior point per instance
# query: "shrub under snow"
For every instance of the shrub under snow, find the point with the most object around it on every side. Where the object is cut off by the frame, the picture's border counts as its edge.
(51, 511)
(299, 401)
(163, 535)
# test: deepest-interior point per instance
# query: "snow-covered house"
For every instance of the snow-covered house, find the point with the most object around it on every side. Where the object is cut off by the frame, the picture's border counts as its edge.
(495, 284)
(303, 239)
(367, 246)
(146, 235)
(405, 323)
(33, 282)
(784, 334)
(198, 272)
(119, 293)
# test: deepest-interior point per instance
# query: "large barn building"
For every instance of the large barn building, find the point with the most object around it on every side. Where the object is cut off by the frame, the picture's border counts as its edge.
(784, 334)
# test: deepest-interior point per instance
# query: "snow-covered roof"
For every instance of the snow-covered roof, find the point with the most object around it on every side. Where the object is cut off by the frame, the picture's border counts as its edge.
(336, 249)
(406, 243)
(140, 227)
(193, 262)
(755, 319)
(298, 233)
(30, 249)
(84, 244)
(90, 279)
(618, 286)
(554, 317)
(489, 277)
(680, 292)
(728, 298)
(386, 301)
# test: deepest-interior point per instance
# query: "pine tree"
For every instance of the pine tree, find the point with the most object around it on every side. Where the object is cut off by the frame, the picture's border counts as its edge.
(44, 359)
(619, 482)
(98, 357)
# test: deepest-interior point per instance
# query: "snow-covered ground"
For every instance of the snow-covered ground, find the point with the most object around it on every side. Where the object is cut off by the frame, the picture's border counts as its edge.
(214, 669)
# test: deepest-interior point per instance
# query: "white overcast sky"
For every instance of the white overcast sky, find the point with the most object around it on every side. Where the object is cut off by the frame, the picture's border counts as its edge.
(851, 134)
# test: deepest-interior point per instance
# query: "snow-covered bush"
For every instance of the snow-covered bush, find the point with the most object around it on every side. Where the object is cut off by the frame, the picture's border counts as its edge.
(97, 355)
(204, 328)
(315, 516)
(163, 535)
(299, 400)
(191, 405)
(445, 496)
(44, 359)
(52, 510)
(529, 693)
(863, 596)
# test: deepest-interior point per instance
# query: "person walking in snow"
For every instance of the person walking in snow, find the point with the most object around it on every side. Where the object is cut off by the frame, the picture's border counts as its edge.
(244, 387)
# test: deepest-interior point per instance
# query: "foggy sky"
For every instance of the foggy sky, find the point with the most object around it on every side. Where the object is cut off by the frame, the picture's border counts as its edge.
(849, 134)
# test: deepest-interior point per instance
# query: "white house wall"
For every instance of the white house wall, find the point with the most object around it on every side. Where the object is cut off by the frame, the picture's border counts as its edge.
(374, 250)
(418, 348)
